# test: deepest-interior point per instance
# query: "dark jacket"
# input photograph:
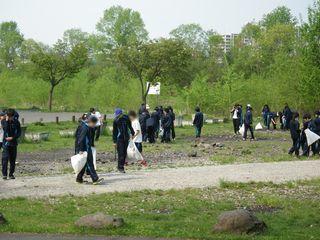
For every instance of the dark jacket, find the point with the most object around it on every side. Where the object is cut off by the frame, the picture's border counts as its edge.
(84, 137)
(198, 120)
(11, 129)
(287, 113)
(122, 128)
(315, 125)
(248, 117)
(294, 129)
(156, 118)
(166, 122)
(143, 119)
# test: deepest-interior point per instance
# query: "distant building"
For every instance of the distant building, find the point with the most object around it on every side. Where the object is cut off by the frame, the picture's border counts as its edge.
(229, 41)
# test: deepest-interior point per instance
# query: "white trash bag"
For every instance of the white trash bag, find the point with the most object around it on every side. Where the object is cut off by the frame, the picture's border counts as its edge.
(241, 130)
(161, 132)
(133, 154)
(258, 127)
(311, 137)
(78, 162)
(94, 156)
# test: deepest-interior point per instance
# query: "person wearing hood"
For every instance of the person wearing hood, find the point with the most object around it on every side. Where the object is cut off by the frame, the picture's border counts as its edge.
(248, 120)
(294, 127)
(84, 143)
(122, 129)
(11, 134)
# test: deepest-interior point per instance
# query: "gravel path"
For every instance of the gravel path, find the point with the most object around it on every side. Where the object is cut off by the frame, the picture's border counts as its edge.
(175, 178)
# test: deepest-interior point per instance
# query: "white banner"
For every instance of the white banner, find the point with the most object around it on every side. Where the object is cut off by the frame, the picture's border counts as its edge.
(154, 89)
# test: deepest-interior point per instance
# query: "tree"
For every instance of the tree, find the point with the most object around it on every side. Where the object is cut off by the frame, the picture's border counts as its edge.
(164, 59)
(121, 27)
(10, 43)
(280, 15)
(193, 35)
(75, 36)
(56, 64)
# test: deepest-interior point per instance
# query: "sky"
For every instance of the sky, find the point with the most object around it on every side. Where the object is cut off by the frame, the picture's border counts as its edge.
(46, 20)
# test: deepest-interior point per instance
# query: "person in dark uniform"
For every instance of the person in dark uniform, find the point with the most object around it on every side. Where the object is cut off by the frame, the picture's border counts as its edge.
(303, 137)
(122, 129)
(294, 127)
(198, 122)
(248, 120)
(287, 113)
(11, 134)
(85, 145)
(173, 118)
(166, 125)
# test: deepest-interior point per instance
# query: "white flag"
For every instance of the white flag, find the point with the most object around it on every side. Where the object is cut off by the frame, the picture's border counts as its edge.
(311, 137)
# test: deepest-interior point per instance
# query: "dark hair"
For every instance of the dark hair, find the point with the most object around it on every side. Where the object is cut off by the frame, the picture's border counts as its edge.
(197, 109)
(167, 110)
(295, 115)
(93, 119)
(132, 114)
(10, 112)
(307, 116)
(92, 110)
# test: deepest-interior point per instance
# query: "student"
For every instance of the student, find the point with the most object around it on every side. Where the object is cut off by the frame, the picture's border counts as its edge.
(143, 122)
(166, 125)
(97, 129)
(11, 133)
(287, 113)
(121, 136)
(280, 116)
(248, 123)
(137, 138)
(265, 113)
(2, 117)
(156, 117)
(240, 114)
(294, 127)
(198, 122)
(85, 145)
(150, 130)
(315, 127)
(235, 118)
(303, 137)
(81, 121)
(173, 118)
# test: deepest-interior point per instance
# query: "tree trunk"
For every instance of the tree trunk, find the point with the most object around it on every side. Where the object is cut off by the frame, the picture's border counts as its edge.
(50, 98)
(143, 96)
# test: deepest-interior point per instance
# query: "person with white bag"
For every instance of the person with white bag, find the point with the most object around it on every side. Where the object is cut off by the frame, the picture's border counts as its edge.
(85, 147)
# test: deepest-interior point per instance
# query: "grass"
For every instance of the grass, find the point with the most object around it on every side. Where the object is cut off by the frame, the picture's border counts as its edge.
(189, 213)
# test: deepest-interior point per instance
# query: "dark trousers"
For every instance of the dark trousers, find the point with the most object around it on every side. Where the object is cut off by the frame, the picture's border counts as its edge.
(166, 135)
(89, 167)
(122, 146)
(151, 136)
(173, 132)
(236, 124)
(144, 134)
(246, 127)
(198, 132)
(315, 147)
(139, 146)
(98, 132)
(9, 154)
(295, 147)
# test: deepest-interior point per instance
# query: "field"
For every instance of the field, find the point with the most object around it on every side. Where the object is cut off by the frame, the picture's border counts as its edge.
(290, 209)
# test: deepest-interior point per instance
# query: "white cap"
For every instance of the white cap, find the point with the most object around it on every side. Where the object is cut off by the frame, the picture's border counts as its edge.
(249, 105)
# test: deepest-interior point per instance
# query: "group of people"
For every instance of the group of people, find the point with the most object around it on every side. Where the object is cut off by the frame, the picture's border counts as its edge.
(240, 119)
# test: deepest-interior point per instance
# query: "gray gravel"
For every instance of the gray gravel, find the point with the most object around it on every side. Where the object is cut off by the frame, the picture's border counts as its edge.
(164, 179)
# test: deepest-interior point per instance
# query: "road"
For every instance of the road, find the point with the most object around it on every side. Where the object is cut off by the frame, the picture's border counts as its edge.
(163, 179)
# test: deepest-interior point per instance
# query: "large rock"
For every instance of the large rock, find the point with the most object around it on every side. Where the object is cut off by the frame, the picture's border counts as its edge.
(99, 220)
(239, 222)
(2, 219)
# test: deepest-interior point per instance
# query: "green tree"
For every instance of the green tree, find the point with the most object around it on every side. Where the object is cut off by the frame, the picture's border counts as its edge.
(121, 27)
(75, 36)
(280, 15)
(58, 63)
(162, 59)
(10, 43)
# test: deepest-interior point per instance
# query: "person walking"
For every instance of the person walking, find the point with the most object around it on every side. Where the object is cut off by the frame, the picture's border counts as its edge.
(11, 134)
(287, 114)
(85, 145)
(294, 127)
(122, 129)
(198, 122)
(248, 120)
(173, 118)
(235, 118)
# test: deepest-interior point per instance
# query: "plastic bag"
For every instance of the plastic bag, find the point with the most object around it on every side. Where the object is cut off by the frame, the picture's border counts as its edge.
(133, 154)
(161, 132)
(79, 161)
(311, 137)
(258, 127)
(94, 156)
(241, 130)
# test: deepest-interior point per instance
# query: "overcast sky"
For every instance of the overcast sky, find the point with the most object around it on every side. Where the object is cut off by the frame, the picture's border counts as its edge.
(46, 20)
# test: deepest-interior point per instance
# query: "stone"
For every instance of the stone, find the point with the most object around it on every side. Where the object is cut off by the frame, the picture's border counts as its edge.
(2, 219)
(99, 220)
(239, 222)
(192, 154)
